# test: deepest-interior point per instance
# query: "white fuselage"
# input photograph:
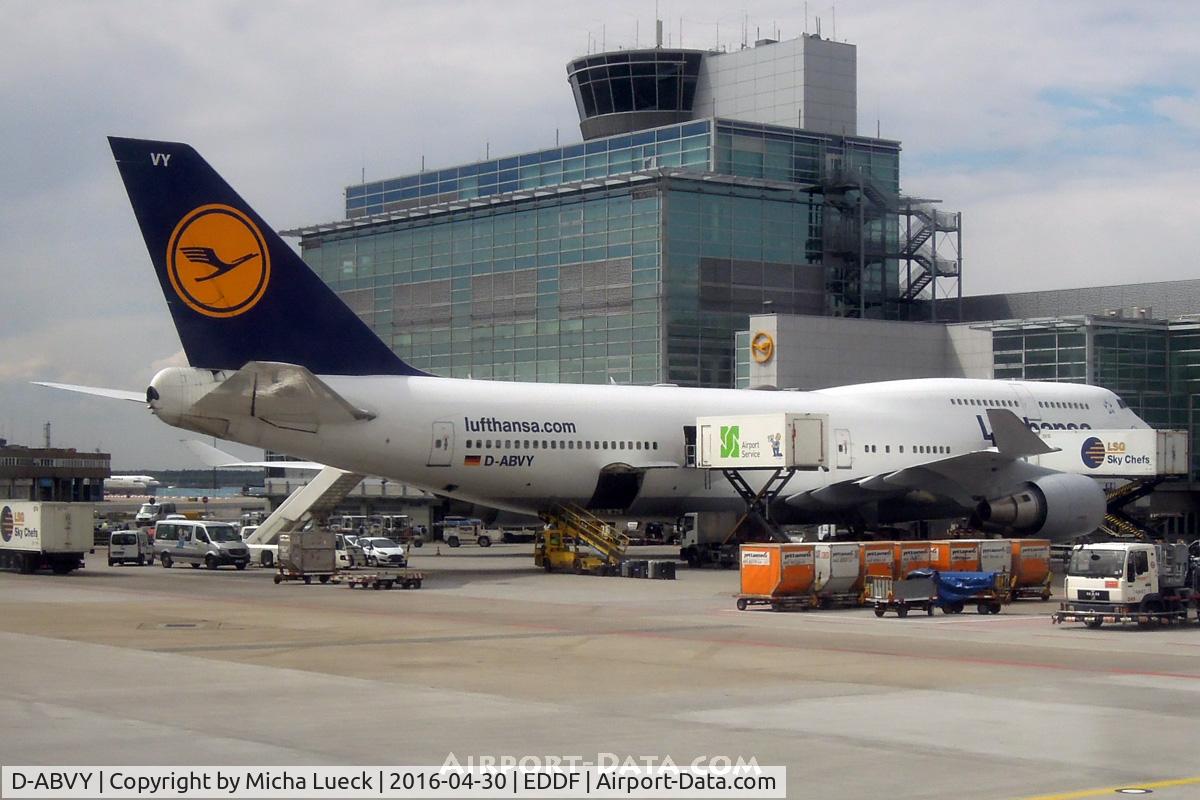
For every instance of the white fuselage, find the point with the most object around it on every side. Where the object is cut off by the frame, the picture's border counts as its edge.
(524, 446)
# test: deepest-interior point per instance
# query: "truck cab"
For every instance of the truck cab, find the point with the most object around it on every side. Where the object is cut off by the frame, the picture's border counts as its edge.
(1126, 582)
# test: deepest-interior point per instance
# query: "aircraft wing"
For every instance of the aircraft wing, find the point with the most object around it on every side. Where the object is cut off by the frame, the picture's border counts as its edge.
(217, 458)
(958, 478)
(284, 395)
(114, 394)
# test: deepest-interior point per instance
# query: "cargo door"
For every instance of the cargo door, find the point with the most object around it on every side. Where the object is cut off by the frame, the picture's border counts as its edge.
(442, 446)
(842, 451)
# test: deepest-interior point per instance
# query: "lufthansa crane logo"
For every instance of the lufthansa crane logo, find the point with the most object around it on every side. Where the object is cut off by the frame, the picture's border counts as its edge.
(218, 262)
(762, 347)
(6, 524)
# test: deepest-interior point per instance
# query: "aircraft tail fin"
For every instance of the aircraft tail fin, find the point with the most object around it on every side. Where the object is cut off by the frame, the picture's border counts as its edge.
(236, 291)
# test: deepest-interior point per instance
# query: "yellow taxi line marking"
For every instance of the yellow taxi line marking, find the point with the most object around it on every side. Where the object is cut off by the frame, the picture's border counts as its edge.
(1113, 789)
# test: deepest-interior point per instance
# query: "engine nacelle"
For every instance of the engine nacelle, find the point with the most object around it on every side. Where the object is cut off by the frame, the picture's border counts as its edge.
(1057, 506)
(175, 390)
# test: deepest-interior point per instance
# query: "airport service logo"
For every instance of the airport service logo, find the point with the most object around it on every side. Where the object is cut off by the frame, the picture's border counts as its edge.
(1092, 452)
(731, 441)
(218, 261)
(6, 524)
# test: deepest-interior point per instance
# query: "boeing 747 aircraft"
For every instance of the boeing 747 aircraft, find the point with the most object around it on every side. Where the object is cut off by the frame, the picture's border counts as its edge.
(278, 361)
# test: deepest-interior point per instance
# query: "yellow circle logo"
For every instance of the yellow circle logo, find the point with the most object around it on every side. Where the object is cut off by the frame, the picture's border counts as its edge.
(762, 347)
(218, 261)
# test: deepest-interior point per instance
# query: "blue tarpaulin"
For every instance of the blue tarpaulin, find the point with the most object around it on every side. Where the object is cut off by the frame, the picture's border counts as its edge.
(958, 587)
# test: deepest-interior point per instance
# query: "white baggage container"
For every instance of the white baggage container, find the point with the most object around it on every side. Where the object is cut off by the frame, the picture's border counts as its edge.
(838, 570)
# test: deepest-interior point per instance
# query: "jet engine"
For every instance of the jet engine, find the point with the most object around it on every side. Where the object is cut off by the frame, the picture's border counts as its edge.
(1057, 506)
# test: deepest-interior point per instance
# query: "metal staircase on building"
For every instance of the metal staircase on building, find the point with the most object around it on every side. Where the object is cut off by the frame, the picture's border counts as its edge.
(312, 501)
(590, 530)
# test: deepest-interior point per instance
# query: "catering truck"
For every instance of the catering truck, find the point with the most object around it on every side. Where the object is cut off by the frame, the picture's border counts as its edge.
(1142, 582)
(36, 535)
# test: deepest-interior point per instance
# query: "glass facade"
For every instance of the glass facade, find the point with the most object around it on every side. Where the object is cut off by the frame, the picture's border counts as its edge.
(562, 265)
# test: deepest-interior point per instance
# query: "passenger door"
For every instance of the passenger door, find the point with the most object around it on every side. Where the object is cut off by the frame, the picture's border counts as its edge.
(441, 449)
(841, 448)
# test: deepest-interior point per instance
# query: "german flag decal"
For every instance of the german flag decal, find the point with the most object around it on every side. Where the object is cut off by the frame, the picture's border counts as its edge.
(471, 461)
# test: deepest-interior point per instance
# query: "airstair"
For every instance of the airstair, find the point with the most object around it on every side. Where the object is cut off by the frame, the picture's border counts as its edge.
(312, 501)
(590, 530)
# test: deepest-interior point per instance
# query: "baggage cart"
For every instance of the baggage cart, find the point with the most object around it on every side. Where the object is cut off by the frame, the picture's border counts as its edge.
(889, 594)
(284, 574)
(777, 602)
(405, 579)
(987, 591)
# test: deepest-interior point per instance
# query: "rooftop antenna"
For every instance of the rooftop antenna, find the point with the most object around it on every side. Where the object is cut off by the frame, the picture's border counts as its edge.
(46, 434)
(637, 32)
(603, 38)
(657, 32)
(834, 10)
(806, 17)
(681, 31)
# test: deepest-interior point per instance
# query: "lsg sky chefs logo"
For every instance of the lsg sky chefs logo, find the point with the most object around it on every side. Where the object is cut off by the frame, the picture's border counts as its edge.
(731, 441)
(218, 261)
(6, 524)
(1092, 452)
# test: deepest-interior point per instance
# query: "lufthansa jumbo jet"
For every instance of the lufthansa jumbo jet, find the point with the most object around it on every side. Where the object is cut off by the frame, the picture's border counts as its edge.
(279, 362)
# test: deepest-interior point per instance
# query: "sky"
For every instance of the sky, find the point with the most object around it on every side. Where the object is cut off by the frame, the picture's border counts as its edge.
(1068, 134)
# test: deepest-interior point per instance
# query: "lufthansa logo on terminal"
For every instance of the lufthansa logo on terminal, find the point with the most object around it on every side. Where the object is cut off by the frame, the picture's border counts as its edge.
(762, 347)
(1092, 452)
(6, 524)
(218, 262)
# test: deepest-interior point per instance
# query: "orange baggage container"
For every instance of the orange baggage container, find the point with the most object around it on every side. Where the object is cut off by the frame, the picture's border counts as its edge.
(954, 555)
(1031, 567)
(877, 559)
(777, 569)
(909, 556)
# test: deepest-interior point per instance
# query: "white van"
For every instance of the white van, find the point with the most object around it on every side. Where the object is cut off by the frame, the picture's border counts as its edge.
(196, 542)
(130, 547)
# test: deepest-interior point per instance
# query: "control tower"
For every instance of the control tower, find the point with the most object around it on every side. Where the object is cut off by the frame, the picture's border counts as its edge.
(808, 83)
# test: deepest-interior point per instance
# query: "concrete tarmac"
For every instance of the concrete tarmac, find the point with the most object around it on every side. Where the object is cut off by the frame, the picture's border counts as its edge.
(142, 665)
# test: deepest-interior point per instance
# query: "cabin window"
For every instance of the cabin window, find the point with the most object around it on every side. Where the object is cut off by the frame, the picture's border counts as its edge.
(887, 448)
(655, 445)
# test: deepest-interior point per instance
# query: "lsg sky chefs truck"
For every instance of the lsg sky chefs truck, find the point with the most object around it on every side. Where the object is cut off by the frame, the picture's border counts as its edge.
(44, 535)
(1143, 582)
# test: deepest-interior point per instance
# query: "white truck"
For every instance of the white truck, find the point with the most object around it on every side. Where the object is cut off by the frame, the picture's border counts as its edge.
(35, 535)
(1142, 582)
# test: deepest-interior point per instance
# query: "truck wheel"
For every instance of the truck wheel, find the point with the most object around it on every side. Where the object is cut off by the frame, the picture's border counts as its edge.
(1094, 623)
(194, 565)
(453, 541)
(741, 604)
(112, 563)
(324, 579)
(957, 608)
(982, 608)
(241, 565)
(166, 560)
(995, 609)
(210, 562)
(901, 610)
(307, 580)
(485, 541)
(62, 567)
(879, 611)
(268, 560)
(278, 580)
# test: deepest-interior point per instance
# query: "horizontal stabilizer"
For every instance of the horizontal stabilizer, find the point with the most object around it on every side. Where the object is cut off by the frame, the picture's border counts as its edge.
(218, 459)
(284, 395)
(1012, 437)
(114, 394)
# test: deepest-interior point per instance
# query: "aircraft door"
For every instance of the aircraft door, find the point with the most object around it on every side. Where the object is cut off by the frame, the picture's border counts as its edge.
(841, 440)
(441, 449)
(1029, 406)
